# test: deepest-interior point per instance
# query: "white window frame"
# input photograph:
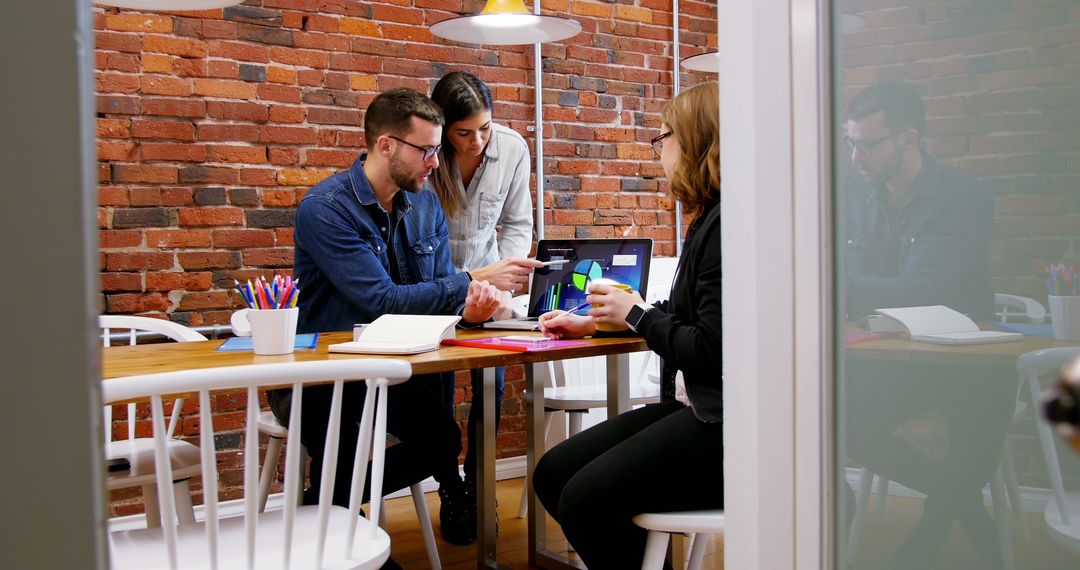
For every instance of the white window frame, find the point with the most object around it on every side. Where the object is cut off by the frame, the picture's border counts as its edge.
(774, 110)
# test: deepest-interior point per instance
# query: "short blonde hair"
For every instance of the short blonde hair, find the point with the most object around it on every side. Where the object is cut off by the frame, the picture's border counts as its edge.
(694, 120)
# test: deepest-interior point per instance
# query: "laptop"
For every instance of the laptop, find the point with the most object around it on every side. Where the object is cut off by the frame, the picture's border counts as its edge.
(562, 285)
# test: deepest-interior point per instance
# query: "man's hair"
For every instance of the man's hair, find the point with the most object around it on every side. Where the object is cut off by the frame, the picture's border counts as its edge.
(901, 105)
(391, 112)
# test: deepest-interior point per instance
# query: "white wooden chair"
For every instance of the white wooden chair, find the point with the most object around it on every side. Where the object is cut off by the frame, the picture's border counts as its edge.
(277, 434)
(139, 450)
(699, 525)
(1015, 308)
(316, 536)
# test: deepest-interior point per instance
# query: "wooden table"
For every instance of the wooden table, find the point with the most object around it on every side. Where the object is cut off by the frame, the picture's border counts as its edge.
(149, 359)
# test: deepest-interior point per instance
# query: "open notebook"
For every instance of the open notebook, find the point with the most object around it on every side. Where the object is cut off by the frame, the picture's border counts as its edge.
(939, 324)
(401, 334)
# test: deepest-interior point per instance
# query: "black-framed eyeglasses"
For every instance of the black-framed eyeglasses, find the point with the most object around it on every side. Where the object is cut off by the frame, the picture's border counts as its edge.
(658, 142)
(429, 151)
(866, 147)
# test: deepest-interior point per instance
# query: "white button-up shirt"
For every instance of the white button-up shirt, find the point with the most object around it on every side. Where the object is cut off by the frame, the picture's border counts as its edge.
(498, 195)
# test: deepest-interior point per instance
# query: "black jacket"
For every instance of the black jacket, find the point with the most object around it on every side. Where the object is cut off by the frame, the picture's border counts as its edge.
(686, 330)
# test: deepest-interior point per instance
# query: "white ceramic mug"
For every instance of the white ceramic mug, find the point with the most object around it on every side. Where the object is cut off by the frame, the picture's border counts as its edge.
(272, 331)
(1065, 316)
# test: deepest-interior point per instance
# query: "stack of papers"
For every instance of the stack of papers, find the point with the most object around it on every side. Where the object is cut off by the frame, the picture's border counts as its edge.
(244, 342)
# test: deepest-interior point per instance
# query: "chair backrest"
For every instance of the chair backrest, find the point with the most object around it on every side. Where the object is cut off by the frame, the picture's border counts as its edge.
(1018, 308)
(378, 373)
(134, 325)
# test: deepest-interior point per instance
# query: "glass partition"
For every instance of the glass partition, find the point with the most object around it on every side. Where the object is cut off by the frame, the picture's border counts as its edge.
(957, 169)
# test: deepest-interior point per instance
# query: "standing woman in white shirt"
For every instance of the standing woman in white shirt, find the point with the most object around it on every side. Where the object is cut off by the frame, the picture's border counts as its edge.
(483, 184)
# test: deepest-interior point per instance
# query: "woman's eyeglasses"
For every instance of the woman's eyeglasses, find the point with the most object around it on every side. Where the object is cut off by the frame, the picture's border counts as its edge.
(658, 142)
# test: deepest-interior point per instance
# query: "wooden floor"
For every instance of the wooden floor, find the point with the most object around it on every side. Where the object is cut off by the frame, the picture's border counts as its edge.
(407, 546)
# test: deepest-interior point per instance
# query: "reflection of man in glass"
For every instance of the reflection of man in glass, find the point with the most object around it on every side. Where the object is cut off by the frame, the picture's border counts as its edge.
(917, 232)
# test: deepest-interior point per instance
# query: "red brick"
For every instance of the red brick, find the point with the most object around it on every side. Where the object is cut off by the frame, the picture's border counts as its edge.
(124, 261)
(136, 303)
(240, 239)
(121, 282)
(175, 107)
(120, 238)
(273, 257)
(155, 174)
(174, 46)
(237, 154)
(208, 300)
(145, 196)
(177, 238)
(152, 129)
(228, 133)
(173, 152)
(138, 23)
(287, 135)
(224, 89)
(113, 128)
(119, 151)
(172, 281)
(211, 216)
(208, 260)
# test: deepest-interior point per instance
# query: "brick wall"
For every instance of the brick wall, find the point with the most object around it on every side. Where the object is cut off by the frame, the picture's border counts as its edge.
(212, 125)
(1001, 83)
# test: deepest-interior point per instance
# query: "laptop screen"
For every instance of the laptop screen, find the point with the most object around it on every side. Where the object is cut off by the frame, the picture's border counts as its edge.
(563, 285)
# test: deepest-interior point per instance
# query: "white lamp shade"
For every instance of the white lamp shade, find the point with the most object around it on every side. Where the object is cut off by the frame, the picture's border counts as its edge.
(171, 5)
(708, 62)
(506, 29)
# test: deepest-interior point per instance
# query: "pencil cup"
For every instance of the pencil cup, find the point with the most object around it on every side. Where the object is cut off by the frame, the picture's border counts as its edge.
(602, 281)
(272, 331)
(1065, 317)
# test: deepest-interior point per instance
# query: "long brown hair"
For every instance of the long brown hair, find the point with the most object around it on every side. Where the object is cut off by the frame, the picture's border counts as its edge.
(694, 120)
(461, 95)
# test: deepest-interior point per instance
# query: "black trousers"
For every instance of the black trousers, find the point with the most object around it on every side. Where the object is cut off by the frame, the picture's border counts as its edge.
(656, 458)
(429, 438)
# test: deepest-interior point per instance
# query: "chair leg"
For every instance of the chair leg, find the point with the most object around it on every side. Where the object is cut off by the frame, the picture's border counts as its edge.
(997, 497)
(420, 504)
(382, 513)
(185, 511)
(269, 469)
(655, 550)
(1013, 488)
(303, 475)
(575, 422)
(523, 505)
(699, 543)
(882, 494)
(865, 482)
(150, 506)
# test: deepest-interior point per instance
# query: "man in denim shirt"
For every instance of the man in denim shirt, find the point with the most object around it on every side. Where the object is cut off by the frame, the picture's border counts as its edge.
(364, 249)
(917, 232)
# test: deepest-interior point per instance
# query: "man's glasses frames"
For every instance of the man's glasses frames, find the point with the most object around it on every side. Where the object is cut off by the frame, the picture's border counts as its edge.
(867, 146)
(429, 151)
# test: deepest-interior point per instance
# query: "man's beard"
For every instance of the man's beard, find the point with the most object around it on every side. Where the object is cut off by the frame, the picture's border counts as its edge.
(402, 176)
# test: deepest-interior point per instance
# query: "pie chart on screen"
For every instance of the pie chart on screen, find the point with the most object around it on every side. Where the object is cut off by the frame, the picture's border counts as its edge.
(586, 270)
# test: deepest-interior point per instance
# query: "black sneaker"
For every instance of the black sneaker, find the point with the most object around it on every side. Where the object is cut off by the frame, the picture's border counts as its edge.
(453, 519)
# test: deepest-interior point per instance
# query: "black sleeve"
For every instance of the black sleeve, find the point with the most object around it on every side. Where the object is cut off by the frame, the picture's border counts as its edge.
(693, 346)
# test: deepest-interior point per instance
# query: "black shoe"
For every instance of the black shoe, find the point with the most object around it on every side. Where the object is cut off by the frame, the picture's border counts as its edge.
(453, 522)
(471, 498)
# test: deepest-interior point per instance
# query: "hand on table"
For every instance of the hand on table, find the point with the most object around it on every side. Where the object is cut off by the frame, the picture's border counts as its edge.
(481, 302)
(560, 324)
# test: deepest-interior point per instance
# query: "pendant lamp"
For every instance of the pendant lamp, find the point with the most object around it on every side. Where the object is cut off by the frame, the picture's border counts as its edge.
(708, 62)
(172, 5)
(506, 22)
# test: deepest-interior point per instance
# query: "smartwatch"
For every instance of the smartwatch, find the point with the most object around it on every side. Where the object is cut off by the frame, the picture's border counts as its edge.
(637, 312)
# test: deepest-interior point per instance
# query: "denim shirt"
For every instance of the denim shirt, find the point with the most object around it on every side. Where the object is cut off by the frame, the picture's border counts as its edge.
(933, 250)
(342, 263)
